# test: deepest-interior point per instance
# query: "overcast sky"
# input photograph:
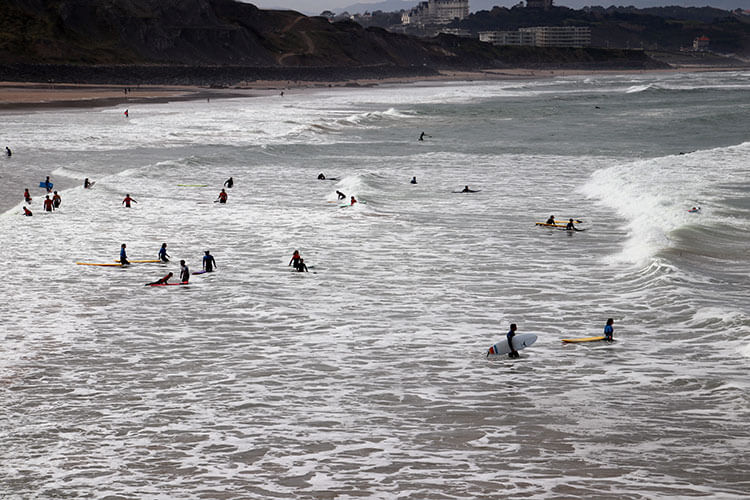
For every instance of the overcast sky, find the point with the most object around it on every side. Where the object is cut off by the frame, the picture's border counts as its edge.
(318, 6)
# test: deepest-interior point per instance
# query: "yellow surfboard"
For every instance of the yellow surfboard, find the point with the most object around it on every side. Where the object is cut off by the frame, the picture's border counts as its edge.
(140, 261)
(585, 339)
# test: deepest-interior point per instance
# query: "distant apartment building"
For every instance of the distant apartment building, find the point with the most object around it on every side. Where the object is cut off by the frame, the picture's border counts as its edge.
(541, 36)
(436, 12)
(538, 4)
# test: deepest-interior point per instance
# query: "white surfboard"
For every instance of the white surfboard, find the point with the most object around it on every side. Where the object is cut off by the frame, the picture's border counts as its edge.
(520, 341)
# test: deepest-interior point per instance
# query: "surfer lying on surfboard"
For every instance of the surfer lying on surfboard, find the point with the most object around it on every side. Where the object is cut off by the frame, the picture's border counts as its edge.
(162, 281)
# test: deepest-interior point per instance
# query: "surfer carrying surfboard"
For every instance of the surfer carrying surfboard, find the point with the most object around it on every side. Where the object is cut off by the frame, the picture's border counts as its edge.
(609, 330)
(512, 333)
(48, 184)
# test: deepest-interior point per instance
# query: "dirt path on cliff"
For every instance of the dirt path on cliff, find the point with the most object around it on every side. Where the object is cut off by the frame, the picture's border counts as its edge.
(308, 41)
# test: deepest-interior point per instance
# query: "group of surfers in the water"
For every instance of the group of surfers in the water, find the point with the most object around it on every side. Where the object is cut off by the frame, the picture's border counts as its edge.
(609, 332)
(569, 226)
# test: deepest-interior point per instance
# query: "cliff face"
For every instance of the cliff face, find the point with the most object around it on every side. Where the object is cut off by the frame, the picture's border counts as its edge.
(223, 33)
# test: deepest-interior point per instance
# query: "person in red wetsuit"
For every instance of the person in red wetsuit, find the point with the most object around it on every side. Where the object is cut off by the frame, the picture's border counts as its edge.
(127, 201)
(223, 197)
(27, 212)
(48, 206)
(352, 201)
(295, 259)
(161, 281)
(27, 196)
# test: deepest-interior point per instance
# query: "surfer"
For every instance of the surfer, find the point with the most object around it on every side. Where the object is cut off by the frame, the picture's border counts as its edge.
(321, 177)
(512, 333)
(56, 200)
(124, 255)
(48, 184)
(126, 113)
(352, 201)
(341, 195)
(27, 196)
(184, 272)
(229, 183)
(163, 255)
(27, 212)
(222, 197)
(467, 190)
(86, 183)
(208, 262)
(413, 180)
(48, 205)
(609, 331)
(423, 135)
(571, 227)
(127, 200)
(295, 259)
(302, 267)
(551, 220)
(161, 281)
(8, 152)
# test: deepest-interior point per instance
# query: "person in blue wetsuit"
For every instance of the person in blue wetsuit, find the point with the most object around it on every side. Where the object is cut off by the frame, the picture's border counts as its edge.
(512, 333)
(163, 255)
(609, 331)
(208, 262)
(123, 255)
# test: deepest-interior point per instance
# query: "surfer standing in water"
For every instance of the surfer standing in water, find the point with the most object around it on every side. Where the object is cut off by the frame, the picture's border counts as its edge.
(86, 183)
(127, 201)
(512, 333)
(184, 272)
(341, 195)
(163, 255)
(295, 259)
(302, 267)
(413, 180)
(48, 205)
(609, 330)
(124, 255)
(352, 201)
(56, 200)
(551, 219)
(48, 184)
(222, 197)
(571, 227)
(208, 262)
(229, 183)
(8, 152)
(27, 196)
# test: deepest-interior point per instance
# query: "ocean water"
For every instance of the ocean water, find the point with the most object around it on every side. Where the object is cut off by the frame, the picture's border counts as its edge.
(367, 376)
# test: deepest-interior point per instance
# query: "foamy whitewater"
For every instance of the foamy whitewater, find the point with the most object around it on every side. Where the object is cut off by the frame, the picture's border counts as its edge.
(367, 376)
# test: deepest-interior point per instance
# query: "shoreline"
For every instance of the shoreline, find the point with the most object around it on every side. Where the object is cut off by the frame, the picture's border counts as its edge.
(34, 95)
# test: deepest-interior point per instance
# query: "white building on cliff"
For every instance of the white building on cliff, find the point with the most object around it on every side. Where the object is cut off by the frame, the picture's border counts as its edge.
(436, 12)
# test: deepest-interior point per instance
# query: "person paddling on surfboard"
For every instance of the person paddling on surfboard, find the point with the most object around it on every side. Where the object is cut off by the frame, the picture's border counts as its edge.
(161, 281)
(467, 190)
(341, 195)
(208, 262)
(571, 227)
(609, 331)
(512, 333)
(124, 255)
(184, 272)
(163, 255)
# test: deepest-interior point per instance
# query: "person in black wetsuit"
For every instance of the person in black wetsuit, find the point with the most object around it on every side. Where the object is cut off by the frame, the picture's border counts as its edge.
(8, 152)
(184, 272)
(570, 226)
(295, 259)
(467, 190)
(512, 333)
(551, 219)
(302, 267)
(163, 255)
(413, 180)
(321, 177)
(341, 195)
(229, 183)
(208, 262)
(86, 183)
(123, 255)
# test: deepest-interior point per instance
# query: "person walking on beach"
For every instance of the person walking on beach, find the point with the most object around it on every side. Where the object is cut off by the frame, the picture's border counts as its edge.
(184, 272)
(229, 183)
(48, 205)
(609, 330)
(27, 196)
(161, 281)
(163, 256)
(127, 200)
(295, 259)
(209, 262)
(222, 197)
(56, 200)
(124, 256)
